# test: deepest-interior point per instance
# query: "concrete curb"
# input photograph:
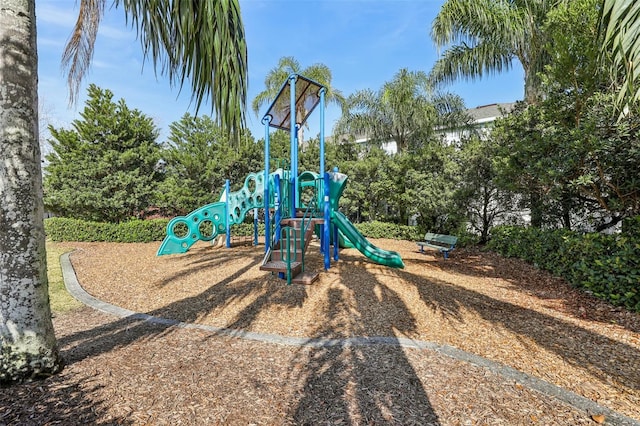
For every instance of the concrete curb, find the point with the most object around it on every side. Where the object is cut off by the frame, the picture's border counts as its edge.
(541, 386)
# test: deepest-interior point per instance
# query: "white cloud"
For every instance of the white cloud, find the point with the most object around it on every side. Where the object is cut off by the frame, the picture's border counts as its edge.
(56, 15)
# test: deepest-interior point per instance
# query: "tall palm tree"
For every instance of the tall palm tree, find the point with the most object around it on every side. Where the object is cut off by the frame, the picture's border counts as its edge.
(485, 37)
(404, 110)
(620, 24)
(288, 65)
(27, 342)
(202, 41)
(199, 41)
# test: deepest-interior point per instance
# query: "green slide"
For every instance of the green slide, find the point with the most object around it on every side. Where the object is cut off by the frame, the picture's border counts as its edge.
(378, 255)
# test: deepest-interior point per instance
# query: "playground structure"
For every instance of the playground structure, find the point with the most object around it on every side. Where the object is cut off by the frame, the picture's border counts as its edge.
(296, 205)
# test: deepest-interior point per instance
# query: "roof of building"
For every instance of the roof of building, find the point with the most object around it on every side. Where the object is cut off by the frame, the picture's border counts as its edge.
(491, 111)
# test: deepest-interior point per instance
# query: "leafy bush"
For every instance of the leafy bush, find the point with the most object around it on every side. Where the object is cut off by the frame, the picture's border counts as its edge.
(608, 266)
(65, 229)
(377, 229)
(631, 225)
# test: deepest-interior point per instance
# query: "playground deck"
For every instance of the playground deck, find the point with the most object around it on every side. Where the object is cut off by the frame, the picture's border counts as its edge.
(133, 371)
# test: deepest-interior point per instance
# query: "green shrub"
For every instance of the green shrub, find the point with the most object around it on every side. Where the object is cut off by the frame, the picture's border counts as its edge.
(608, 266)
(631, 225)
(65, 229)
(377, 229)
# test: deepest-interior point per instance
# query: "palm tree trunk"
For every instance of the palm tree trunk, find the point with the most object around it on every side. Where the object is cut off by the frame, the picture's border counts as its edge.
(532, 88)
(28, 344)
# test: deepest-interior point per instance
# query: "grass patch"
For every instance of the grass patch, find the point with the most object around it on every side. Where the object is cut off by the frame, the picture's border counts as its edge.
(61, 301)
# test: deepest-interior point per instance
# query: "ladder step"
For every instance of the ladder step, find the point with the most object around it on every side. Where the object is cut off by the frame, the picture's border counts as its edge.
(296, 222)
(280, 266)
(306, 278)
(277, 256)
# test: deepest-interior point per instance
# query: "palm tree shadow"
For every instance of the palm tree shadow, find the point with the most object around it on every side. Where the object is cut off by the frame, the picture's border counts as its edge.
(261, 292)
(600, 356)
(574, 302)
(360, 384)
(61, 399)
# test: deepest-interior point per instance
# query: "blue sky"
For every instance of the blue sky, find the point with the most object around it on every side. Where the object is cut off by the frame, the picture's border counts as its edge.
(363, 42)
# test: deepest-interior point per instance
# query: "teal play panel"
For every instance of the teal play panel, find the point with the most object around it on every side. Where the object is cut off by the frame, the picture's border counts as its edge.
(207, 222)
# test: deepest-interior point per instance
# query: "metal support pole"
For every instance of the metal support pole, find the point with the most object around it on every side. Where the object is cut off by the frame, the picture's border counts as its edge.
(326, 236)
(277, 216)
(255, 227)
(336, 242)
(322, 93)
(293, 133)
(336, 231)
(267, 221)
(227, 190)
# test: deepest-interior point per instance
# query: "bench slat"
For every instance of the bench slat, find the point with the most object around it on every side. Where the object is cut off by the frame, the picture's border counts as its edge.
(443, 243)
(440, 238)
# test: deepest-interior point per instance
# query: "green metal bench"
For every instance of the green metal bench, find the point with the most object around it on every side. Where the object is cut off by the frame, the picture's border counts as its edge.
(443, 243)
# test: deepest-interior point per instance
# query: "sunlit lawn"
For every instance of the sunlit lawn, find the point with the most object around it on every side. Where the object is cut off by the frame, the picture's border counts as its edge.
(61, 301)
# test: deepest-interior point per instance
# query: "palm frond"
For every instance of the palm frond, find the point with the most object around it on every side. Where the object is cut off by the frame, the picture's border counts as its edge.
(620, 24)
(467, 62)
(201, 42)
(472, 21)
(78, 51)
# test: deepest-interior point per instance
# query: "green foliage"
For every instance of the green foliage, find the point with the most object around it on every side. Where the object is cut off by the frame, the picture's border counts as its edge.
(478, 194)
(394, 231)
(103, 168)
(288, 65)
(199, 157)
(610, 157)
(426, 182)
(631, 225)
(404, 110)
(143, 231)
(621, 28)
(571, 160)
(607, 266)
(574, 44)
(484, 37)
(202, 44)
(133, 231)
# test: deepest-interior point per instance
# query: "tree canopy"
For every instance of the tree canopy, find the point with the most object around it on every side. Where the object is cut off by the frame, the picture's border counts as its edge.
(485, 37)
(404, 110)
(104, 167)
(201, 43)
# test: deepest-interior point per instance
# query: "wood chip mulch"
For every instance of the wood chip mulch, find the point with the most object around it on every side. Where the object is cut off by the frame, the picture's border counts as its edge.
(126, 371)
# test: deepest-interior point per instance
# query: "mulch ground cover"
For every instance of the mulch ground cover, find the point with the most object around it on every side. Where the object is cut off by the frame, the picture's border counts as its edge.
(128, 371)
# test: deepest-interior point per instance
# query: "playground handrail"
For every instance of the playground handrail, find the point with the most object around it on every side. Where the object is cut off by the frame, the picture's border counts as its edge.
(309, 214)
(286, 230)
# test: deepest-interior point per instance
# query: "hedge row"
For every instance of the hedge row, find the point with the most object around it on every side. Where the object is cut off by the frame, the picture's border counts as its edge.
(608, 266)
(377, 229)
(65, 229)
(134, 231)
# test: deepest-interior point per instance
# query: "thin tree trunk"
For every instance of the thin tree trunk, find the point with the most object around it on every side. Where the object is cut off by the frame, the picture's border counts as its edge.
(535, 201)
(28, 344)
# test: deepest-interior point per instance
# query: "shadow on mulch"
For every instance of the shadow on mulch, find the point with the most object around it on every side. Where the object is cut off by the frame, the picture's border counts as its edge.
(603, 357)
(575, 302)
(58, 400)
(339, 382)
(353, 383)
